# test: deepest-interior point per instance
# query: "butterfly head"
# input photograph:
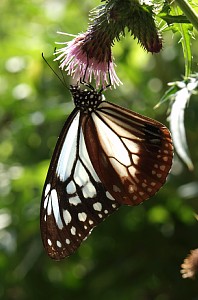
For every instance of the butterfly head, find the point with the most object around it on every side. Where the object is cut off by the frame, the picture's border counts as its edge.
(86, 100)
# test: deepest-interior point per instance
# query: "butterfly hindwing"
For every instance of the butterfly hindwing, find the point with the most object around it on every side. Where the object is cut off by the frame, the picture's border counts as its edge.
(74, 200)
(131, 154)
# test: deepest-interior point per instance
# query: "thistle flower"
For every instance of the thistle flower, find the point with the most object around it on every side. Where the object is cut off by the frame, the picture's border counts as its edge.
(190, 265)
(88, 56)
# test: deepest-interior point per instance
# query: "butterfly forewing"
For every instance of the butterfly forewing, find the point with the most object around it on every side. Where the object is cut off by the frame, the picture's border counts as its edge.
(74, 200)
(131, 154)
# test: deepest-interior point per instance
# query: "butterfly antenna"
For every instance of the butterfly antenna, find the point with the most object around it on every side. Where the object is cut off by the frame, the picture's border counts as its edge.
(61, 80)
(61, 70)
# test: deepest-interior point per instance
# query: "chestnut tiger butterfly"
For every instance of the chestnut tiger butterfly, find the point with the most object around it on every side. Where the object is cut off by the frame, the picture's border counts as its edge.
(106, 156)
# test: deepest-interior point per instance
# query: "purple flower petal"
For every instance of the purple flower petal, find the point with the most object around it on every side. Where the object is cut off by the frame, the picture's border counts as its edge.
(83, 60)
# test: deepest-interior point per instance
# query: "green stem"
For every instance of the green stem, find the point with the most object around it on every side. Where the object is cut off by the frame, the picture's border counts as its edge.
(189, 12)
(184, 41)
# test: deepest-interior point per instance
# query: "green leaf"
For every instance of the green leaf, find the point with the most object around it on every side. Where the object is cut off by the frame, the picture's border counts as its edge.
(185, 31)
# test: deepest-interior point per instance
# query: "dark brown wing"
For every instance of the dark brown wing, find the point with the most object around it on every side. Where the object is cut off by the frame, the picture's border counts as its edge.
(131, 154)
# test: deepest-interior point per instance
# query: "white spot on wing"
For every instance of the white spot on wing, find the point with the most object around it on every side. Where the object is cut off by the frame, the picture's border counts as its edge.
(74, 200)
(71, 188)
(67, 216)
(82, 217)
(47, 189)
(45, 201)
(97, 206)
(55, 206)
(109, 196)
(73, 230)
(89, 190)
(49, 242)
(58, 243)
(49, 206)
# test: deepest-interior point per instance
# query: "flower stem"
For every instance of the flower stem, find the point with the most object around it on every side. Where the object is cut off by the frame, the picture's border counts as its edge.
(189, 12)
(185, 40)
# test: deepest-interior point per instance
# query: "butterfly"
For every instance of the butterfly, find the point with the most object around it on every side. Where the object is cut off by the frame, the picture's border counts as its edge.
(106, 156)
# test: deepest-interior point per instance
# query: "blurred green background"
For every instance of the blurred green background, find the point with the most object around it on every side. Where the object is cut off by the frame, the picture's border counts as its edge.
(137, 252)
